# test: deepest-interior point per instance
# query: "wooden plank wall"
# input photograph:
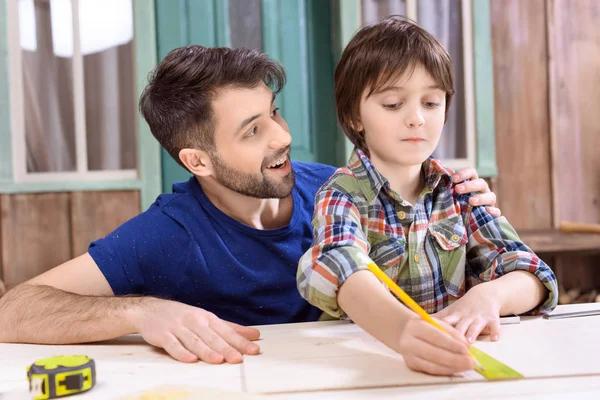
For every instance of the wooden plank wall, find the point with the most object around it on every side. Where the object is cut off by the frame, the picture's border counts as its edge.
(95, 214)
(574, 45)
(574, 69)
(521, 112)
(41, 231)
(35, 234)
(546, 80)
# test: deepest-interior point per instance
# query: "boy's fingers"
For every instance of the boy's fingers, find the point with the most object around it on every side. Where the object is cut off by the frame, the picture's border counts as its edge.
(494, 327)
(463, 325)
(452, 319)
(475, 329)
(419, 364)
(440, 355)
(448, 339)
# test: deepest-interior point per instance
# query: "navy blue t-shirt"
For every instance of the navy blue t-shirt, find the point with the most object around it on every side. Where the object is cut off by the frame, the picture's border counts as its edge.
(183, 248)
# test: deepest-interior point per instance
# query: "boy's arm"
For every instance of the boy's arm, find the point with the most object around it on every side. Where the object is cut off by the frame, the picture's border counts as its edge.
(515, 280)
(423, 347)
(334, 256)
(335, 262)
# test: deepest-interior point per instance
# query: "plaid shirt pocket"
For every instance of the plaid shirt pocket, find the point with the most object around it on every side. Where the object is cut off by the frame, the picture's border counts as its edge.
(449, 241)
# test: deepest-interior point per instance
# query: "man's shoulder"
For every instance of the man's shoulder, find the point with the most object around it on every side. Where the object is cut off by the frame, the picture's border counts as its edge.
(312, 170)
(310, 176)
(166, 214)
(177, 204)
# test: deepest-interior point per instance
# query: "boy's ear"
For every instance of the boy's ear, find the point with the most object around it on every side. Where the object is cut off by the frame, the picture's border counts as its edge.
(357, 126)
(198, 162)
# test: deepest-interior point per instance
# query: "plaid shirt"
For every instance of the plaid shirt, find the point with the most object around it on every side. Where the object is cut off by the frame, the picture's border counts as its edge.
(435, 250)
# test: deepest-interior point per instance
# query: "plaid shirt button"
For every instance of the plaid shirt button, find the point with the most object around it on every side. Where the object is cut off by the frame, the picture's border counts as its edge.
(417, 258)
(401, 215)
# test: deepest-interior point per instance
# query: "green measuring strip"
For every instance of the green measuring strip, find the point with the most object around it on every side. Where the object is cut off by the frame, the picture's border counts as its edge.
(492, 368)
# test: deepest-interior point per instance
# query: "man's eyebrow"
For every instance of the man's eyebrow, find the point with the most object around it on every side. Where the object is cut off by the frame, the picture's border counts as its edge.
(252, 118)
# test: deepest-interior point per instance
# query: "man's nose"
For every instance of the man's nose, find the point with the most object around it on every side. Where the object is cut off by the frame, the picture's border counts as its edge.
(281, 138)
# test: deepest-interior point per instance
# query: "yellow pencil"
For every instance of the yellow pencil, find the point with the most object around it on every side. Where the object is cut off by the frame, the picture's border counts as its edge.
(409, 302)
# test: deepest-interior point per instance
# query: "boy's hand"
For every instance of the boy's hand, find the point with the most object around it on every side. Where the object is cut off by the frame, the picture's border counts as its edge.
(475, 184)
(427, 349)
(476, 312)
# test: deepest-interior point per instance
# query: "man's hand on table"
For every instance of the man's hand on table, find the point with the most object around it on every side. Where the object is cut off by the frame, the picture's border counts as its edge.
(190, 334)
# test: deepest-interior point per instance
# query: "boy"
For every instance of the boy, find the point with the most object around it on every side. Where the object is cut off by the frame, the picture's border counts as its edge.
(395, 204)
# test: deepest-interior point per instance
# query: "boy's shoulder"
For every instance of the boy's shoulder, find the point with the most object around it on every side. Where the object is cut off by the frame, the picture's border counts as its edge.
(344, 180)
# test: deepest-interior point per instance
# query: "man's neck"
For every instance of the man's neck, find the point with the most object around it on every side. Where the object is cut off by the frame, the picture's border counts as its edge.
(407, 181)
(251, 211)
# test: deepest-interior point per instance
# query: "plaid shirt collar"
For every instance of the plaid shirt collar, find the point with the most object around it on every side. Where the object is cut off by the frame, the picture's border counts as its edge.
(372, 182)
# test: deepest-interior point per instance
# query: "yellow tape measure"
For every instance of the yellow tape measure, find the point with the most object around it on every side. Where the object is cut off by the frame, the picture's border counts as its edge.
(60, 376)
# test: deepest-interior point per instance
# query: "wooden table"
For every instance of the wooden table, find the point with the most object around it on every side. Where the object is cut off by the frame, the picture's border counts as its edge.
(128, 368)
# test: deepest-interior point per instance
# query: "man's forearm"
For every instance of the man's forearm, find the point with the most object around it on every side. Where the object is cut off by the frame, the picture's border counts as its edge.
(373, 308)
(46, 315)
(518, 291)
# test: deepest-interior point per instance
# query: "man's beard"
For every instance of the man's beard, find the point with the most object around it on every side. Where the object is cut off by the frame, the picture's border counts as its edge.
(252, 185)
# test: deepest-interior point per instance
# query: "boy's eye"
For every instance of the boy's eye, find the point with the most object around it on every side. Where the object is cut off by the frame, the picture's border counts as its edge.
(431, 104)
(274, 112)
(392, 106)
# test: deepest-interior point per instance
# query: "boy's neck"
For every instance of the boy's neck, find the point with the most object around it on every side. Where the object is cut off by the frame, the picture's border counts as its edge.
(407, 181)
(251, 211)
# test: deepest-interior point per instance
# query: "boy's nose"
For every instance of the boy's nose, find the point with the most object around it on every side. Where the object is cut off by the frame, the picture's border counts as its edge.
(414, 119)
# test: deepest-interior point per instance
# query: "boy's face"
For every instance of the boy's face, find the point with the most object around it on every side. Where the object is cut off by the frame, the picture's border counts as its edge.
(403, 122)
(252, 144)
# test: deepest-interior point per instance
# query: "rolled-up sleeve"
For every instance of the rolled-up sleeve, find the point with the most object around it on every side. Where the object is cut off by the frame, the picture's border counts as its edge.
(338, 239)
(495, 249)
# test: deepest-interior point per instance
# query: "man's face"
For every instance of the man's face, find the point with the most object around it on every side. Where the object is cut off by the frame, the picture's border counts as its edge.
(252, 144)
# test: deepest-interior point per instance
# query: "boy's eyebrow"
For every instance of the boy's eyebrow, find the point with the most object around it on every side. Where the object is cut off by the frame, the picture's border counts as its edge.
(252, 118)
(402, 88)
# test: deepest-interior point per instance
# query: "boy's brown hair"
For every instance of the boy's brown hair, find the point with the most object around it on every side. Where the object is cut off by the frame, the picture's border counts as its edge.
(378, 55)
(177, 103)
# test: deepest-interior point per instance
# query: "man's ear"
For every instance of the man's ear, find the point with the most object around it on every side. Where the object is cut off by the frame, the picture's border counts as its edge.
(196, 161)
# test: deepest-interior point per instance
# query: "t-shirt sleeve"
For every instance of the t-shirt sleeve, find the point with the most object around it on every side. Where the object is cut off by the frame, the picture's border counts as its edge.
(142, 255)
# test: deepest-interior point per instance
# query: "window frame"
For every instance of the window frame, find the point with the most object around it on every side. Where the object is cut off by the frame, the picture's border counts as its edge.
(14, 177)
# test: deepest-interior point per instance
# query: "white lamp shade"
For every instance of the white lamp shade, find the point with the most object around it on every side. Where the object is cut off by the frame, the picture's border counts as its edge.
(102, 24)
(27, 27)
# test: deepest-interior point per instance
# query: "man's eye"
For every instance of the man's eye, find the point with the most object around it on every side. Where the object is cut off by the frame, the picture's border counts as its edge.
(274, 112)
(251, 133)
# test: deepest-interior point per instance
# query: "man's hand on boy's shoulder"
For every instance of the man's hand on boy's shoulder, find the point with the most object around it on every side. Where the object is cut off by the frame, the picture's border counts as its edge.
(477, 312)
(467, 180)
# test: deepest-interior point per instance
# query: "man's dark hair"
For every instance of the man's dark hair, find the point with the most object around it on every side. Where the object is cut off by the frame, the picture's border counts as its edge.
(176, 104)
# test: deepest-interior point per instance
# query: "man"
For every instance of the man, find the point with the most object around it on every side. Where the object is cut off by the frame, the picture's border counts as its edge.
(223, 247)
